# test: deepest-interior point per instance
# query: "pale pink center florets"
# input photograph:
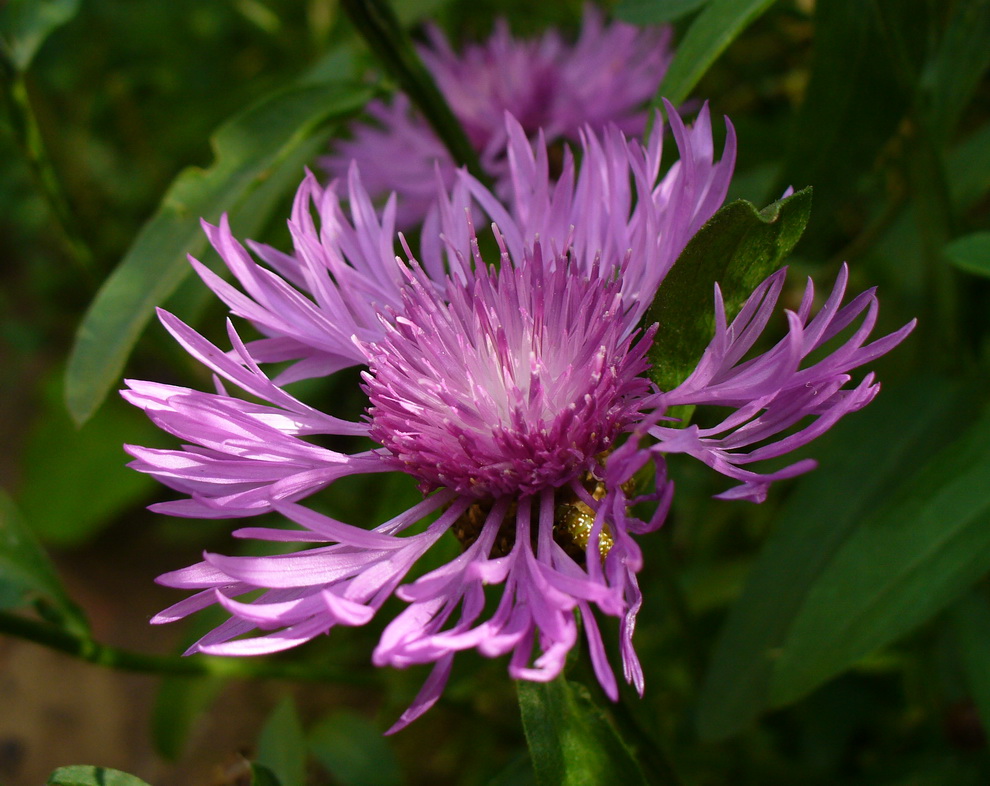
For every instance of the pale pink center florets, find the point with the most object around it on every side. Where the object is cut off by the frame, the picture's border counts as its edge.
(511, 384)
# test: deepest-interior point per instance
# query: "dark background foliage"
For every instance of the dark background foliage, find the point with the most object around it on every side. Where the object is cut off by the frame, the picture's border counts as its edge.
(838, 633)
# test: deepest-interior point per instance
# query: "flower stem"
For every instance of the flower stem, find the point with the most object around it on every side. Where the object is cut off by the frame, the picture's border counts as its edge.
(28, 134)
(380, 28)
(201, 666)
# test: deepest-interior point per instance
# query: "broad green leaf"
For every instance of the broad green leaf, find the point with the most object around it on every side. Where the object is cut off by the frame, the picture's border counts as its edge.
(250, 149)
(282, 745)
(571, 741)
(928, 542)
(655, 12)
(25, 24)
(738, 247)
(353, 751)
(861, 461)
(717, 26)
(970, 621)
(971, 253)
(88, 775)
(76, 479)
(28, 576)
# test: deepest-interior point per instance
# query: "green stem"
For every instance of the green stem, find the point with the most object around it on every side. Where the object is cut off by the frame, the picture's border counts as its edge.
(32, 144)
(377, 23)
(199, 666)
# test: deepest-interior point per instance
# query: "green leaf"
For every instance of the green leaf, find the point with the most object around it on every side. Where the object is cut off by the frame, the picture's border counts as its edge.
(711, 32)
(571, 740)
(861, 460)
(904, 563)
(381, 29)
(258, 145)
(353, 751)
(970, 253)
(28, 576)
(25, 24)
(519, 772)
(738, 247)
(178, 704)
(282, 745)
(88, 775)
(76, 479)
(853, 104)
(970, 621)
(262, 776)
(655, 12)
(959, 64)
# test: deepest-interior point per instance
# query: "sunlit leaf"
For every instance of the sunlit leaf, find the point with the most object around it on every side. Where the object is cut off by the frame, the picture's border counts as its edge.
(861, 461)
(27, 575)
(738, 247)
(250, 149)
(88, 775)
(25, 24)
(654, 12)
(282, 745)
(971, 253)
(353, 751)
(901, 565)
(571, 741)
(717, 26)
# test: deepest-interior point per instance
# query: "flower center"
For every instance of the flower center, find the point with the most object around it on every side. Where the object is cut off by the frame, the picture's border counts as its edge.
(508, 384)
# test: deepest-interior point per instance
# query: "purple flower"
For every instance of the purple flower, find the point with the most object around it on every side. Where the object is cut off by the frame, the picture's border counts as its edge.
(516, 397)
(548, 83)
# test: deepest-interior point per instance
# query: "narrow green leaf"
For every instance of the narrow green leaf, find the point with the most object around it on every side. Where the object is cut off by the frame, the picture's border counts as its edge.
(28, 576)
(861, 460)
(712, 31)
(970, 253)
(655, 12)
(249, 150)
(905, 562)
(88, 775)
(353, 751)
(282, 745)
(738, 247)
(970, 621)
(25, 24)
(571, 740)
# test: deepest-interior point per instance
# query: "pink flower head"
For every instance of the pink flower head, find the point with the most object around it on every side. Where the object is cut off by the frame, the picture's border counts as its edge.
(547, 83)
(517, 397)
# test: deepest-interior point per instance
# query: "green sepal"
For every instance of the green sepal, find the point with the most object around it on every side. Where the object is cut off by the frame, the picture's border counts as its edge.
(737, 248)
